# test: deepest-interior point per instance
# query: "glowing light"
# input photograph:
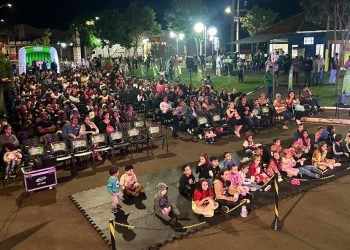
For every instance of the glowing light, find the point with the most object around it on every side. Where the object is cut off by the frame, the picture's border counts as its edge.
(198, 27)
(228, 10)
(212, 31)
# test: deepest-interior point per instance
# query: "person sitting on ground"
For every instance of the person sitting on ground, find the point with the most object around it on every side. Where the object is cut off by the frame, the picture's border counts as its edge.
(203, 202)
(339, 152)
(228, 160)
(318, 133)
(347, 143)
(304, 141)
(186, 182)
(328, 135)
(234, 119)
(258, 176)
(214, 167)
(6, 136)
(276, 145)
(298, 134)
(221, 189)
(237, 183)
(281, 109)
(243, 171)
(163, 207)
(248, 145)
(113, 188)
(129, 183)
(202, 168)
(275, 165)
(288, 163)
(308, 170)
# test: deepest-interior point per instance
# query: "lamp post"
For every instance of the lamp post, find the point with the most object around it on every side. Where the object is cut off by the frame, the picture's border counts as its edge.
(200, 28)
(212, 31)
(177, 36)
(6, 5)
(230, 10)
(62, 46)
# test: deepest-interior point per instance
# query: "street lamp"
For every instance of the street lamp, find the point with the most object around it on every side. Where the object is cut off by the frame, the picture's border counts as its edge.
(212, 31)
(178, 37)
(2, 20)
(6, 5)
(230, 10)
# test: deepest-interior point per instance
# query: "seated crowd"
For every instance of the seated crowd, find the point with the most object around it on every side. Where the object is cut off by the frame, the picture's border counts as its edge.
(226, 186)
(85, 101)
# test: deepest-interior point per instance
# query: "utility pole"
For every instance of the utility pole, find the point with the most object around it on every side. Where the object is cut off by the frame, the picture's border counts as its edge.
(232, 24)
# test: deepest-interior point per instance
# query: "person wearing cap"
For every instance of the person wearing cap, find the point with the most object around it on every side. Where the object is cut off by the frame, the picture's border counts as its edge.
(129, 183)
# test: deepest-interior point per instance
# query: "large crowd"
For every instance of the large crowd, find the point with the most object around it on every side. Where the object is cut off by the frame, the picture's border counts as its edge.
(45, 106)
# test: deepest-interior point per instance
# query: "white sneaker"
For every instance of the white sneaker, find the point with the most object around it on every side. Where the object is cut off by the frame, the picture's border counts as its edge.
(244, 212)
(280, 179)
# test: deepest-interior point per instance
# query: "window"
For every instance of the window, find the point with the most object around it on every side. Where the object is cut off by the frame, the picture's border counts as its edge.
(320, 49)
(337, 49)
(294, 51)
(308, 40)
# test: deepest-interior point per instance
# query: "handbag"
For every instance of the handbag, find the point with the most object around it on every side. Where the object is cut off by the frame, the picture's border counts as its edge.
(298, 107)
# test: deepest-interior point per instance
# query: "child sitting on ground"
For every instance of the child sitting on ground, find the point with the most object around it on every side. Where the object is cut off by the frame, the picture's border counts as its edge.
(298, 133)
(203, 202)
(113, 188)
(186, 182)
(228, 160)
(338, 150)
(320, 160)
(129, 183)
(308, 170)
(318, 133)
(275, 165)
(288, 163)
(256, 172)
(12, 158)
(163, 207)
(347, 143)
(214, 168)
(236, 183)
(276, 145)
(304, 141)
(248, 145)
(243, 171)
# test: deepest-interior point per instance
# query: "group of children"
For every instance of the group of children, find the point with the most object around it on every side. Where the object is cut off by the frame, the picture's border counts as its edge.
(226, 185)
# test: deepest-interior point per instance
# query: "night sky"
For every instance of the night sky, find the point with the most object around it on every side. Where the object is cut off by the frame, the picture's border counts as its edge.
(59, 14)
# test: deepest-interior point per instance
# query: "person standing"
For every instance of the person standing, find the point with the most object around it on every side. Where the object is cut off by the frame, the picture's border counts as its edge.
(218, 66)
(321, 61)
(334, 68)
(307, 70)
(315, 70)
(268, 78)
(296, 69)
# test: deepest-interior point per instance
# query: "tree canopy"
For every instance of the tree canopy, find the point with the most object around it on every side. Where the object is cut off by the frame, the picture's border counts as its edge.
(183, 14)
(257, 19)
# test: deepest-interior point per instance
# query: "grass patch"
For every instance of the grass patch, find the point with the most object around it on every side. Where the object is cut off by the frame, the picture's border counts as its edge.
(326, 94)
(251, 81)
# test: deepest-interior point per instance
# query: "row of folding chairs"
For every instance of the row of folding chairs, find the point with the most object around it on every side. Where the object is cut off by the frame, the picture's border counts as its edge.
(110, 143)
